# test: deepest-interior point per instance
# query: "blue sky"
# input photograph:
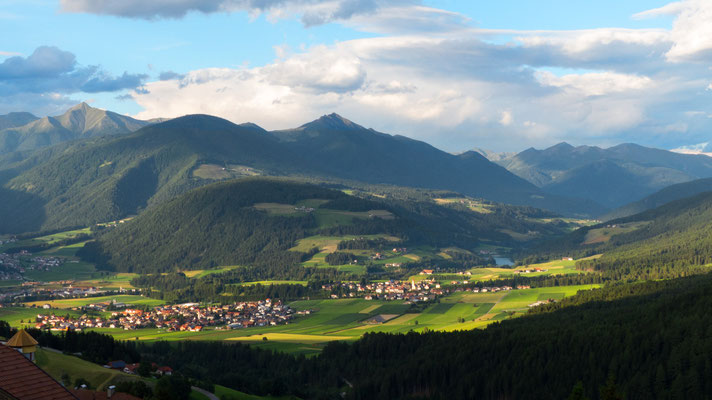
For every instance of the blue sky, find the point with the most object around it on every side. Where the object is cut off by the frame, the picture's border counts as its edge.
(458, 74)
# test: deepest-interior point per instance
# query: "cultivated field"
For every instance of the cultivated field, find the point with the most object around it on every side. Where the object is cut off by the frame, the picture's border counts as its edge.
(349, 319)
(551, 268)
(602, 235)
(121, 298)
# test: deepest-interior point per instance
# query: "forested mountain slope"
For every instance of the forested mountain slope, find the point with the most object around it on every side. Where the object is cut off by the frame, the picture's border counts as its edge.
(657, 199)
(102, 179)
(669, 241)
(341, 148)
(109, 178)
(254, 221)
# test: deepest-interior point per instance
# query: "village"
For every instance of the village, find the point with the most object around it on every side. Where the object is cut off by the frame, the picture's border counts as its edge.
(178, 317)
(389, 290)
(413, 292)
(62, 289)
(14, 265)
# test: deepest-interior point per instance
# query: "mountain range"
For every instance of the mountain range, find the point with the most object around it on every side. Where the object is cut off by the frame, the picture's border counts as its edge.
(104, 178)
(24, 131)
(611, 177)
(90, 165)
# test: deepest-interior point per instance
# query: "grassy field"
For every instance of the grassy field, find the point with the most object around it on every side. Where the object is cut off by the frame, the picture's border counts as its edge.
(56, 365)
(199, 273)
(348, 319)
(20, 316)
(267, 283)
(602, 235)
(324, 217)
(551, 268)
(115, 281)
(72, 270)
(48, 239)
(473, 205)
(328, 245)
(123, 298)
(218, 172)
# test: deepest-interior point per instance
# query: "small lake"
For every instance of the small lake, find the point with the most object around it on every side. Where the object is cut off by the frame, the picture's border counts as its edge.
(503, 261)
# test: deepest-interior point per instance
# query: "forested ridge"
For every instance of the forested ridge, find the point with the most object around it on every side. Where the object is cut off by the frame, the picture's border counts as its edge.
(218, 225)
(670, 241)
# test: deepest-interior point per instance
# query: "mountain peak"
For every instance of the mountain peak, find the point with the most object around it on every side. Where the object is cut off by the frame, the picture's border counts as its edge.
(333, 121)
(81, 107)
(561, 146)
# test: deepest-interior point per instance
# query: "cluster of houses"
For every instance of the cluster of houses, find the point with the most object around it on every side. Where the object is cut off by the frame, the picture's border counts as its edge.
(530, 270)
(50, 290)
(7, 241)
(132, 369)
(389, 290)
(179, 317)
(13, 266)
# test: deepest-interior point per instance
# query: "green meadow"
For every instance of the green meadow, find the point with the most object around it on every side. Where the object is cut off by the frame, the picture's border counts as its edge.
(57, 364)
(551, 268)
(68, 271)
(345, 319)
(80, 302)
(110, 281)
(48, 239)
(25, 316)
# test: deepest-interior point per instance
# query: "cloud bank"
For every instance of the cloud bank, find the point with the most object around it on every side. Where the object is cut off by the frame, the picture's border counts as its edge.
(313, 12)
(457, 88)
(429, 74)
(42, 80)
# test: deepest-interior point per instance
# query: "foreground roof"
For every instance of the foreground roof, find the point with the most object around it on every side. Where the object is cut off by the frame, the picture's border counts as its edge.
(21, 379)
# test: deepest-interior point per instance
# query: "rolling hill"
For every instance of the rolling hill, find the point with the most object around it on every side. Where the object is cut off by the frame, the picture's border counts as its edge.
(15, 119)
(661, 197)
(669, 241)
(254, 221)
(611, 177)
(24, 131)
(107, 178)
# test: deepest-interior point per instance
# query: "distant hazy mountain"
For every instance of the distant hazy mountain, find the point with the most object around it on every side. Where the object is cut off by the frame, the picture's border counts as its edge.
(15, 119)
(100, 179)
(80, 121)
(664, 196)
(611, 177)
(494, 156)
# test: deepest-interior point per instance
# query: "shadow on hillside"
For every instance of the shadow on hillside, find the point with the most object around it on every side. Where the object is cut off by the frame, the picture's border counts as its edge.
(20, 211)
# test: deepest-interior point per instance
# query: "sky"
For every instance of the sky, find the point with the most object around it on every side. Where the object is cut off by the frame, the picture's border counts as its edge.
(501, 75)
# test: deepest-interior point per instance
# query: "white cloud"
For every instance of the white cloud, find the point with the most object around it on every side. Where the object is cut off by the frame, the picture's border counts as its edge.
(506, 118)
(442, 90)
(596, 83)
(312, 12)
(673, 8)
(432, 76)
(691, 34)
